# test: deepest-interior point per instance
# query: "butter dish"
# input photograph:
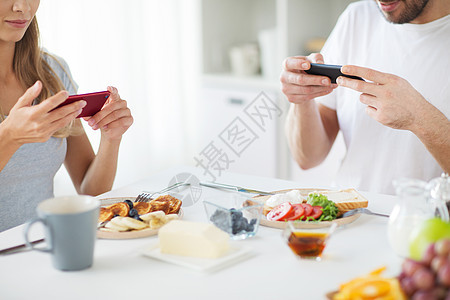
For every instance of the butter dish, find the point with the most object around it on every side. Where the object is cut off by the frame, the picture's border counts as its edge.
(207, 265)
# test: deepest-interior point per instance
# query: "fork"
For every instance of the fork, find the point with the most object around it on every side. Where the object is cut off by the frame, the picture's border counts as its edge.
(362, 210)
(147, 196)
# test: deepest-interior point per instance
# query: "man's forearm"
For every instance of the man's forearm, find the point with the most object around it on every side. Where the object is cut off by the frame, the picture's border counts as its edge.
(433, 129)
(307, 136)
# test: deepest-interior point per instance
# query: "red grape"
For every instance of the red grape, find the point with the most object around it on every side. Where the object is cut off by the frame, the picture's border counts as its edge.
(424, 295)
(444, 274)
(410, 266)
(408, 286)
(429, 255)
(442, 247)
(438, 262)
(423, 279)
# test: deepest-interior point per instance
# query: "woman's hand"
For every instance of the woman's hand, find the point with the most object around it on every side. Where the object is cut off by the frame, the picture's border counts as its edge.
(114, 119)
(390, 100)
(27, 123)
(300, 87)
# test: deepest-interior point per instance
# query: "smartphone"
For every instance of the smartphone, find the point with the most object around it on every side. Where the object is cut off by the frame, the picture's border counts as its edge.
(331, 71)
(95, 102)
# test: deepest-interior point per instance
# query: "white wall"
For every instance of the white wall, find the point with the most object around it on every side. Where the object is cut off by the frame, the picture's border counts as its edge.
(148, 50)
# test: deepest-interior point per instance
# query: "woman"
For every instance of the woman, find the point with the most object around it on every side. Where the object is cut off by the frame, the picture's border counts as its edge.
(36, 138)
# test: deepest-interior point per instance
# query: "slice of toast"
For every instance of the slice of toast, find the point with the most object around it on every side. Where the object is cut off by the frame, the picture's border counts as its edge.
(346, 200)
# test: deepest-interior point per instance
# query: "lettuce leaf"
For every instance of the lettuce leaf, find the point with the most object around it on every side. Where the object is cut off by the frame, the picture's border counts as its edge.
(329, 208)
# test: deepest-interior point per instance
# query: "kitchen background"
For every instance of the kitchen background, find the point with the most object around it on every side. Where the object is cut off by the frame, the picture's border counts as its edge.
(200, 76)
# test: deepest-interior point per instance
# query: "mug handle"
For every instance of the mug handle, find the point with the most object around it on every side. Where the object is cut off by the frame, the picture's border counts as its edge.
(25, 235)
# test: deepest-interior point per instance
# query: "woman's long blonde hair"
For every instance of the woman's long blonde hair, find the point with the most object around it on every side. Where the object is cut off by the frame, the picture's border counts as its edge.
(29, 66)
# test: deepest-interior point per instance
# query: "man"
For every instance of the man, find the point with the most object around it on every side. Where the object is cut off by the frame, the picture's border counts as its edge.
(393, 125)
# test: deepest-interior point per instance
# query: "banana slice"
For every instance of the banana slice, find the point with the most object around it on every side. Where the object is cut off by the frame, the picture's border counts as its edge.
(133, 223)
(107, 229)
(171, 217)
(116, 225)
(157, 223)
(153, 215)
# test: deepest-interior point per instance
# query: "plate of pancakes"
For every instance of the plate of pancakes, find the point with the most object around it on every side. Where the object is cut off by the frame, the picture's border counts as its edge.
(123, 218)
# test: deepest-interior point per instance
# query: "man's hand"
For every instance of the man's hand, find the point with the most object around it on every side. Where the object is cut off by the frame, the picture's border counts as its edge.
(393, 102)
(300, 87)
(390, 100)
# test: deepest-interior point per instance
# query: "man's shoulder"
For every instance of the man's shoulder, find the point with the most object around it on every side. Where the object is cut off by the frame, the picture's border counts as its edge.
(362, 8)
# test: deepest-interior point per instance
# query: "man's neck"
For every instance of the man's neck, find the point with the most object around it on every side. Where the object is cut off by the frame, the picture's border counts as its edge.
(434, 10)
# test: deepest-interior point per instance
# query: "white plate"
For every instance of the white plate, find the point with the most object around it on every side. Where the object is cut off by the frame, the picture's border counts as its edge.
(235, 255)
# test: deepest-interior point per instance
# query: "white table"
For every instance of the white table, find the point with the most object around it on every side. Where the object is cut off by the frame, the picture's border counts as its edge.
(120, 272)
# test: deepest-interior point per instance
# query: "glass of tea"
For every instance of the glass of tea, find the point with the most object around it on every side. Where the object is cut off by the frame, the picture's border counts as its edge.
(308, 240)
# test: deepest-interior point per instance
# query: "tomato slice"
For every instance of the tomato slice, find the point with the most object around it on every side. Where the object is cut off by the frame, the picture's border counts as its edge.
(308, 209)
(279, 212)
(297, 213)
(317, 212)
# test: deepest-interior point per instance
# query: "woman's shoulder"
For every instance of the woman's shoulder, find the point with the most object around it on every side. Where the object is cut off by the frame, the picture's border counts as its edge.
(61, 69)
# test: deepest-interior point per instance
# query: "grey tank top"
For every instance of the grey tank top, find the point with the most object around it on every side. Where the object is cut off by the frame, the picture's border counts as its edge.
(27, 178)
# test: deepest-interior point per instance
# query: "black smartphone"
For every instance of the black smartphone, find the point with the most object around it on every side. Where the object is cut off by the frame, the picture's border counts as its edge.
(331, 71)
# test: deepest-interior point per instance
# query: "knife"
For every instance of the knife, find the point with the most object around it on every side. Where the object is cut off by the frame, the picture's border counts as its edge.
(215, 185)
(19, 248)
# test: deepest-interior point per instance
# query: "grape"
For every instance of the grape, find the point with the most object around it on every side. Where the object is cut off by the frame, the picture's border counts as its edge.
(442, 247)
(401, 276)
(444, 274)
(440, 292)
(423, 279)
(437, 263)
(410, 266)
(429, 255)
(408, 286)
(423, 295)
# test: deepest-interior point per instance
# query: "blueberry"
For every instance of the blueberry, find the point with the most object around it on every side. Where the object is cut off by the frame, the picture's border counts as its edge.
(130, 203)
(218, 216)
(252, 221)
(236, 213)
(250, 227)
(116, 215)
(133, 212)
(138, 218)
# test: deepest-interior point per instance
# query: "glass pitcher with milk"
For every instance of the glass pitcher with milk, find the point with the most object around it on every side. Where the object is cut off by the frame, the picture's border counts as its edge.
(416, 204)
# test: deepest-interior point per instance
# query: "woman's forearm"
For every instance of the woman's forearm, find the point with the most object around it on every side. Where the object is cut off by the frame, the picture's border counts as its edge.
(100, 175)
(7, 147)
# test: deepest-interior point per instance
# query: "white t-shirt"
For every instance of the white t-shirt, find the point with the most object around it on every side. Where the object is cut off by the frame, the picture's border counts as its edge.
(420, 53)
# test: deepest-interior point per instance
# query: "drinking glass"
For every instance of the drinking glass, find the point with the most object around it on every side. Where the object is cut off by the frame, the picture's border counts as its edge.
(308, 240)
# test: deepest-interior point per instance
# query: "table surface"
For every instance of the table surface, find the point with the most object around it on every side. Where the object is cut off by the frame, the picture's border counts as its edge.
(273, 272)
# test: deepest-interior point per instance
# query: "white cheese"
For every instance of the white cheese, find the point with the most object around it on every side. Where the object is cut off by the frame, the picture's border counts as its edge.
(193, 239)
(292, 197)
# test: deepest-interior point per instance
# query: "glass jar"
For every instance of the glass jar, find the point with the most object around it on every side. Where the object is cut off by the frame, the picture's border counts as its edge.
(415, 205)
(440, 189)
